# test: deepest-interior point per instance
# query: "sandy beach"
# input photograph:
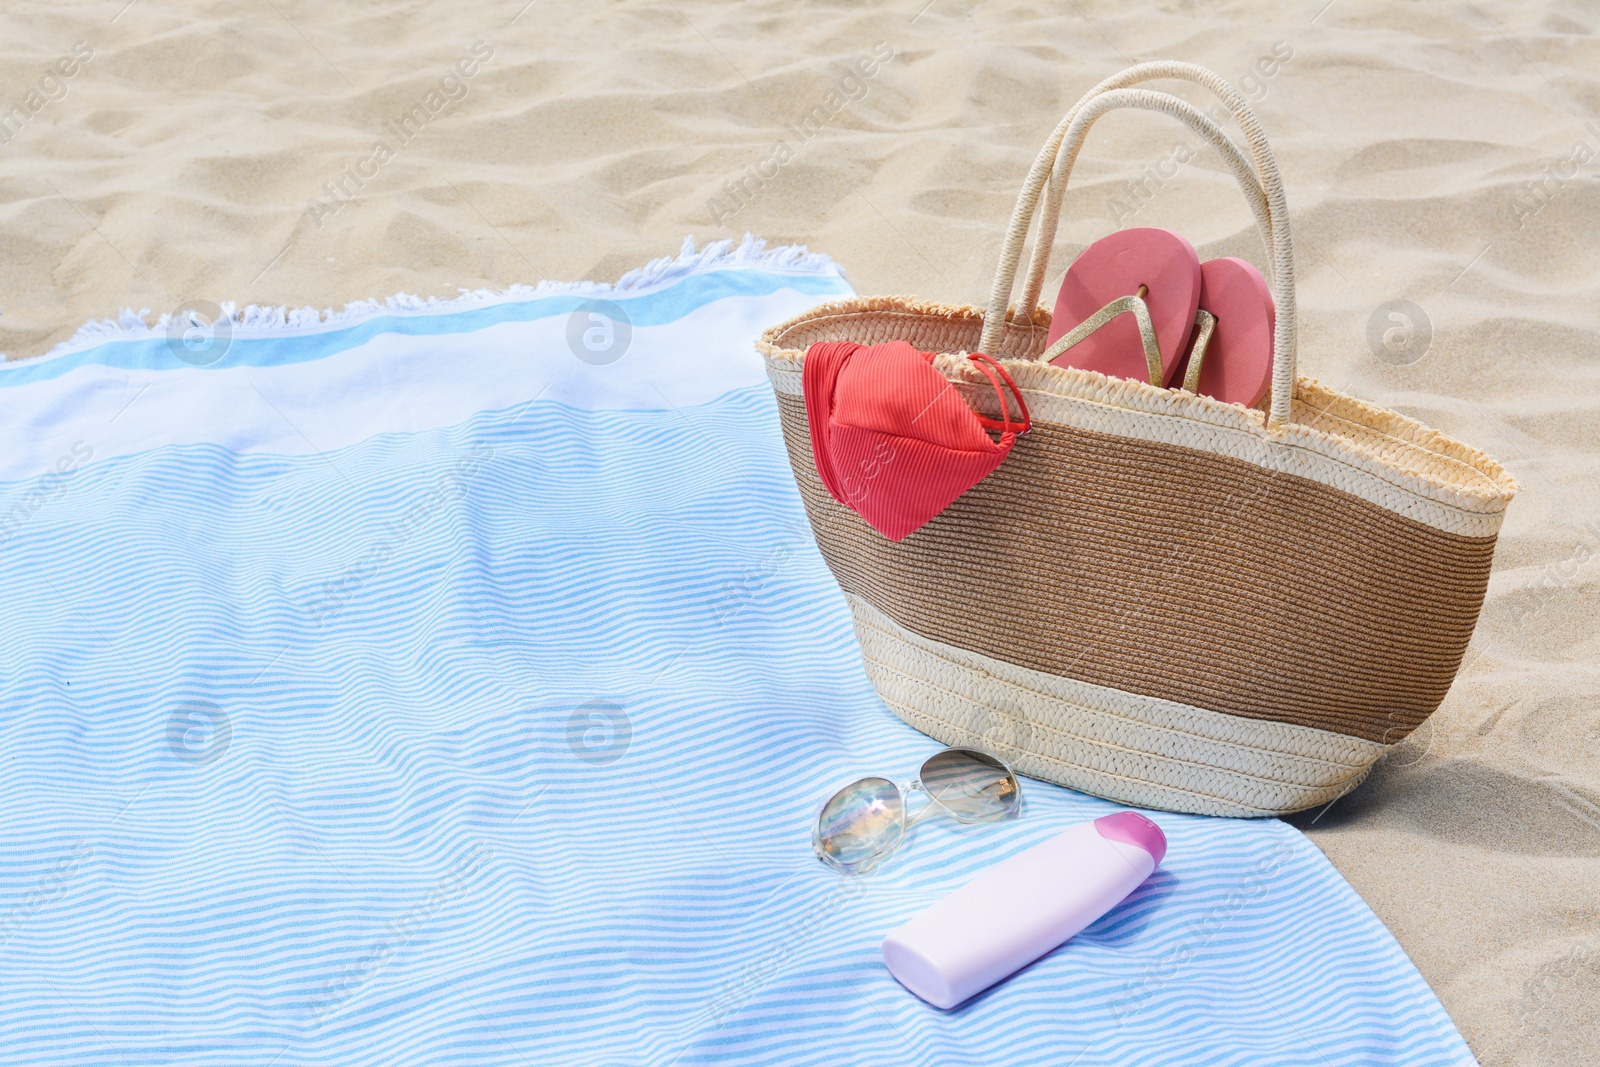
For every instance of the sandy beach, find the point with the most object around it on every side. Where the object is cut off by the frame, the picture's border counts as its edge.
(1440, 162)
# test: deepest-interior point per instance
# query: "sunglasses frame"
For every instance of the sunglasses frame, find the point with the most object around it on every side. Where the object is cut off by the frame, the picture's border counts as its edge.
(905, 791)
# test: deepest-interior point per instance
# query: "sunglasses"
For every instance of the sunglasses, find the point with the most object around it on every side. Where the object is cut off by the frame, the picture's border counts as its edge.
(862, 824)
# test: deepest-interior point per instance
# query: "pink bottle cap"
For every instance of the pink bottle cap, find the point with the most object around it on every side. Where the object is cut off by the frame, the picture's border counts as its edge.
(1131, 828)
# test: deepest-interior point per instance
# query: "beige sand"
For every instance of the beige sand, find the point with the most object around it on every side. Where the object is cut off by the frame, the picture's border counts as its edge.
(1443, 155)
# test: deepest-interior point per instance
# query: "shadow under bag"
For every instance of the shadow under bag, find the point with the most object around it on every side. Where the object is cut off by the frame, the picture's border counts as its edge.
(1147, 595)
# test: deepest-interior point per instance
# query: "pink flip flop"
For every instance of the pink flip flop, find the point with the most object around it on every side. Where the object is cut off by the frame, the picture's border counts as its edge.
(1158, 265)
(1233, 364)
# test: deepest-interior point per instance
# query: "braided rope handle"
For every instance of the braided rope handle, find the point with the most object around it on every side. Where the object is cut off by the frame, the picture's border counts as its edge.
(1262, 185)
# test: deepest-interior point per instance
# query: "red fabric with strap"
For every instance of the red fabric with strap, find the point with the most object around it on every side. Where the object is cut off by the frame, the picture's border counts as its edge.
(892, 439)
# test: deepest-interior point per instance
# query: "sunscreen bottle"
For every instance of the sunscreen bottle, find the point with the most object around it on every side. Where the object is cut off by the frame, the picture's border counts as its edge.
(1020, 909)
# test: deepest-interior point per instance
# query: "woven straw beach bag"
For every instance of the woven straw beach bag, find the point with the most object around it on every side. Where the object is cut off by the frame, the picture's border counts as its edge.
(1159, 598)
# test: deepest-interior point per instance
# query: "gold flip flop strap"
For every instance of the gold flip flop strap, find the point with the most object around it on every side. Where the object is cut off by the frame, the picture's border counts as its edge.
(1206, 322)
(1120, 306)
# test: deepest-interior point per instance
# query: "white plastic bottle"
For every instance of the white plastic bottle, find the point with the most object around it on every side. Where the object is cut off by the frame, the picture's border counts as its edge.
(1020, 909)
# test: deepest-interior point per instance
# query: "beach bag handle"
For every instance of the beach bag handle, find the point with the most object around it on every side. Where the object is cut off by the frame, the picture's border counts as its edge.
(1262, 185)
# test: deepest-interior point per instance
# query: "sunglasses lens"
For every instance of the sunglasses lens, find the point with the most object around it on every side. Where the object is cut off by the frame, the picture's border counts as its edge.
(861, 825)
(972, 785)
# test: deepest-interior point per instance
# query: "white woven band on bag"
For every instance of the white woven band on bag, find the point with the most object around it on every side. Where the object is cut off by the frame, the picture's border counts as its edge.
(1263, 189)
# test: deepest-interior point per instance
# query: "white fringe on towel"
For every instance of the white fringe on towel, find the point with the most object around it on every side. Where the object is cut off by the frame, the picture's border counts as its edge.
(751, 252)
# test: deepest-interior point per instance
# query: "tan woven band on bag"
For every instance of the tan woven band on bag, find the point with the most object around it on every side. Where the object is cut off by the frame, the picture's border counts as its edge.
(1179, 596)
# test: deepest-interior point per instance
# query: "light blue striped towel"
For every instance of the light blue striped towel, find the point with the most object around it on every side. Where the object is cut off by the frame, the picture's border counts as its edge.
(400, 688)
